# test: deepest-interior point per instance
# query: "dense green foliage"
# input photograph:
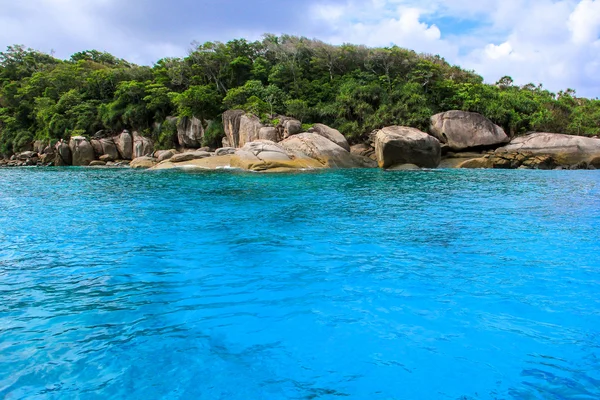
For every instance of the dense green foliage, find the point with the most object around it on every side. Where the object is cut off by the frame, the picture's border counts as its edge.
(353, 88)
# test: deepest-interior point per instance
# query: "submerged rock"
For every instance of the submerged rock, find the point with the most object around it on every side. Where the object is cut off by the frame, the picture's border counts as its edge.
(462, 130)
(402, 145)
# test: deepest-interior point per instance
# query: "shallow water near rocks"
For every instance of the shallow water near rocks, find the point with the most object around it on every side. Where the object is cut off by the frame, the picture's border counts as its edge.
(448, 284)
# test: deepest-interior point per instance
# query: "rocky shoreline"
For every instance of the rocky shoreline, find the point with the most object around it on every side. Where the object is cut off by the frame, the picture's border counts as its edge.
(457, 139)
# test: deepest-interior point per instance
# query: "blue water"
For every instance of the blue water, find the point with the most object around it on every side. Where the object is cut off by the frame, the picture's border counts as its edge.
(447, 284)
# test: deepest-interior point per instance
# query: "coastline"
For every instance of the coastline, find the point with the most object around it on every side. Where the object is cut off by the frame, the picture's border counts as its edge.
(456, 140)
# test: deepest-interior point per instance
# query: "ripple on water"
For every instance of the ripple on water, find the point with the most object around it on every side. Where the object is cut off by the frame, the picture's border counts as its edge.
(363, 284)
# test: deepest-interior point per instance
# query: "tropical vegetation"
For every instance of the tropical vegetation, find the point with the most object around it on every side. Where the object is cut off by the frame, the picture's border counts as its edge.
(353, 88)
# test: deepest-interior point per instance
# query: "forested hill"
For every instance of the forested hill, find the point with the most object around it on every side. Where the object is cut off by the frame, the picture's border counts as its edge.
(352, 88)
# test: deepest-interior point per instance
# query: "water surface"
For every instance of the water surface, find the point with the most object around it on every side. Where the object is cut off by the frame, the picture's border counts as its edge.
(448, 284)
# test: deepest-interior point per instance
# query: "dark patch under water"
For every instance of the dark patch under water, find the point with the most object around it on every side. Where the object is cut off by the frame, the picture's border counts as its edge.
(447, 284)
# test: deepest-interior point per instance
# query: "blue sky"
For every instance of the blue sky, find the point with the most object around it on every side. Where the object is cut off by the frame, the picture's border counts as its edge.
(555, 42)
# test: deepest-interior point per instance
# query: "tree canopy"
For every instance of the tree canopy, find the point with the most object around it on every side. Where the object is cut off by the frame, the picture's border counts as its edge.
(353, 88)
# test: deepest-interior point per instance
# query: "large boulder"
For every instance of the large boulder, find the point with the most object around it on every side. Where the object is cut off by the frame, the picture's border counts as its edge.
(190, 132)
(462, 130)
(81, 150)
(142, 146)
(163, 155)
(241, 128)
(97, 147)
(326, 152)
(564, 149)
(143, 162)
(193, 155)
(268, 133)
(105, 148)
(332, 134)
(402, 145)
(63, 154)
(124, 143)
(265, 155)
(291, 127)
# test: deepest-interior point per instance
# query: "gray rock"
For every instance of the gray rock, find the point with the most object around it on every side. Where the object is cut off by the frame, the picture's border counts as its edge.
(39, 146)
(163, 155)
(143, 162)
(81, 150)
(196, 155)
(565, 149)
(364, 150)
(241, 128)
(47, 158)
(106, 158)
(326, 152)
(402, 145)
(291, 127)
(63, 154)
(97, 163)
(142, 146)
(332, 134)
(26, 155)
(265, 155)
(124, 144)
(190, 132)
(224, 151)
(463, 130)
(268, 133)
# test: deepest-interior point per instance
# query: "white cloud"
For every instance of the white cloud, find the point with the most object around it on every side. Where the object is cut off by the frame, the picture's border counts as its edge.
(554, 42)
(584, 22)
(69, 26)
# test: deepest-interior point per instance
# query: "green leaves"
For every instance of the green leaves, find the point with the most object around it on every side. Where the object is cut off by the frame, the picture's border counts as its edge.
(353, 88)
(202, 102)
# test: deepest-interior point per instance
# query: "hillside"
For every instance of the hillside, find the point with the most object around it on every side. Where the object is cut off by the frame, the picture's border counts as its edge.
(352, 88)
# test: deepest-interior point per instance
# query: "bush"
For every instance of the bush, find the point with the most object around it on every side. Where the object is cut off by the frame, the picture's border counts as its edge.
(165, 135)
(214, 134)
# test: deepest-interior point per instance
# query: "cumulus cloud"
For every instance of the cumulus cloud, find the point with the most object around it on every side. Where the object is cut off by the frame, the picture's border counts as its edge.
(554, 42)
(538, 41)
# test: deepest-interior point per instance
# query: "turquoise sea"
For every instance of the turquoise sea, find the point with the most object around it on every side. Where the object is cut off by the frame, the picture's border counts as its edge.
(358, 284)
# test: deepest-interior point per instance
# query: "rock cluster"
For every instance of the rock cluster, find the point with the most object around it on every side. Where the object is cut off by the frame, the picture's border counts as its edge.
(457, 139)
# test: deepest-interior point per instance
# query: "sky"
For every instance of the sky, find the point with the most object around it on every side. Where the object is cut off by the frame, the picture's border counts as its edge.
(554, 42)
